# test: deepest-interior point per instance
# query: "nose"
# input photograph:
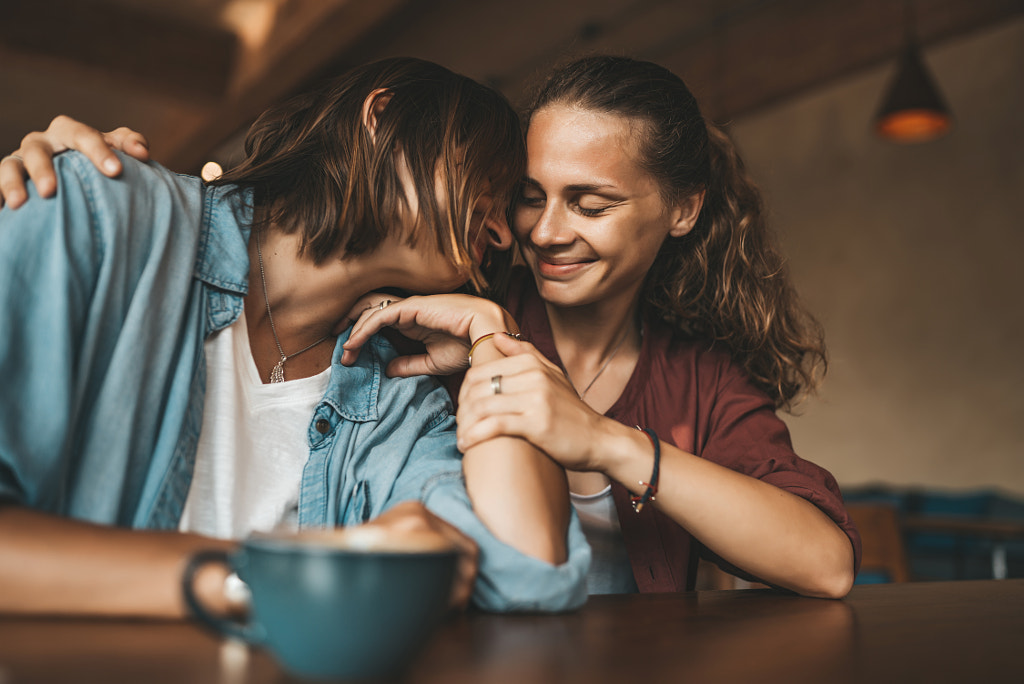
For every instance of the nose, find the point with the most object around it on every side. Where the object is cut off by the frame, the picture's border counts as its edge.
(550, 227)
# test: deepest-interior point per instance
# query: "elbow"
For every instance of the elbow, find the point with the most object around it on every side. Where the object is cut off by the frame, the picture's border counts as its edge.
(833, 585)
(834, 577)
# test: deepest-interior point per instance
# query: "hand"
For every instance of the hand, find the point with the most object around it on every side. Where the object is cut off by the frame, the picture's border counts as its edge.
(411, 520)
(536, 403)
(64, 133)
(370, 300)
(445, 324)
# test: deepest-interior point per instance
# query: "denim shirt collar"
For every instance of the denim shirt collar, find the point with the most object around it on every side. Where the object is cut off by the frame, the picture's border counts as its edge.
(222, 258)
(222, 262)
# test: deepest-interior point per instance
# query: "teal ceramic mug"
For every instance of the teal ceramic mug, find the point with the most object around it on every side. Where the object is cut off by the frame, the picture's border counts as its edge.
(346, 604)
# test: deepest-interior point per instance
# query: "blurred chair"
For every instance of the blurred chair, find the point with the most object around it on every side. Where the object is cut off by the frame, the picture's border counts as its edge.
(884, 558)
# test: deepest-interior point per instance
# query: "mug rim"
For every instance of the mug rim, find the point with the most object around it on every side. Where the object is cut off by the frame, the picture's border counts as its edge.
(308, 542)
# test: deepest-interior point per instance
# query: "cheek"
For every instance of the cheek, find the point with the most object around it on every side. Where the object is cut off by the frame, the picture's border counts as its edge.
(523, 221)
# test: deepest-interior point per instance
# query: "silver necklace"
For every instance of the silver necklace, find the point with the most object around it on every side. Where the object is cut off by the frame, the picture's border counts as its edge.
(277, 374)
(600, 370)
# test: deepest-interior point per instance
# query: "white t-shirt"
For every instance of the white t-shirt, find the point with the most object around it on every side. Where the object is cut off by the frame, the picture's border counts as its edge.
(252, 444)
(610, 570)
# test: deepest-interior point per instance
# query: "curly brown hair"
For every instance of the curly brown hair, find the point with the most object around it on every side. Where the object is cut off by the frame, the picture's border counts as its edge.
(726, 281)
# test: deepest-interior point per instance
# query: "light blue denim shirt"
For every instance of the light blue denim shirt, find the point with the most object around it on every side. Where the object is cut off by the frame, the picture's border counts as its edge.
(107, 293)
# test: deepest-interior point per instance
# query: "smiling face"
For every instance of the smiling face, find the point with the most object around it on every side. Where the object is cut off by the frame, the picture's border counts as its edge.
(590, 220)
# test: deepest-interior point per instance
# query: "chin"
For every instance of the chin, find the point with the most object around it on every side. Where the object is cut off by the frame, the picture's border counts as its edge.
(561, 294)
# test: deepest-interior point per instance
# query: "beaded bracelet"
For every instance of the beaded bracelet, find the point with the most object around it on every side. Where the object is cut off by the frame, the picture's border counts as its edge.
(651, 488)
(484, 338)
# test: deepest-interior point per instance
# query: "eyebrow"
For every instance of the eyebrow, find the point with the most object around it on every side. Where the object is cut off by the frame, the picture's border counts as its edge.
(576, 187)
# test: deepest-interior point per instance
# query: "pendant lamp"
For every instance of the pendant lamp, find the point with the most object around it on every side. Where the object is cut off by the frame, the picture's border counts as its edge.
(913, 110)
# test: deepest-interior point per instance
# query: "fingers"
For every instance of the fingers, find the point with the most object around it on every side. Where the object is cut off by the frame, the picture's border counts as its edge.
(510, 346)
(500, 416)
(64, 133)
(468, 564)
(369, 301)
(411, 519)
(409, 366)
(12, 182)
(128, 141)
(379, 311)
(477, 383)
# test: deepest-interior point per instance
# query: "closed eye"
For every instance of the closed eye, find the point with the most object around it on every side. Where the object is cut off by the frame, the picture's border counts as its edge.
(592, 211)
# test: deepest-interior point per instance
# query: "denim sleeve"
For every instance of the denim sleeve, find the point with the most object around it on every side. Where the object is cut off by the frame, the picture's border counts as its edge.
(48, 253)
(508, 579)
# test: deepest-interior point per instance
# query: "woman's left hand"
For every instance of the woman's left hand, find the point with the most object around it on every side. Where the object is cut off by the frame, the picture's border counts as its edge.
(535, 402)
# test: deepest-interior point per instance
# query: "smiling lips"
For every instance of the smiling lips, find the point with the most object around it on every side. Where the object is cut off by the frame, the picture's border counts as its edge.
(561, 267)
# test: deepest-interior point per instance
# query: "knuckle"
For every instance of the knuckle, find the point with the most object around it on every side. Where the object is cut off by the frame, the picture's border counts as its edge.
(31, 138)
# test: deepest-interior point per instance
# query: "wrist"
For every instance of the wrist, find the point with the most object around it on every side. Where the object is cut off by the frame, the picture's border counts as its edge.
(612, 447)
(490, 318)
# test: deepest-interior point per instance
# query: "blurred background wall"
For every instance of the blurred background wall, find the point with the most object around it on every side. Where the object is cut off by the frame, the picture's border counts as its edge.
(912, 257)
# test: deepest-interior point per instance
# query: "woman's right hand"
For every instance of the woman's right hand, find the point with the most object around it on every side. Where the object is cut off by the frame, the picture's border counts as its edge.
(445, 324)
(64, 133)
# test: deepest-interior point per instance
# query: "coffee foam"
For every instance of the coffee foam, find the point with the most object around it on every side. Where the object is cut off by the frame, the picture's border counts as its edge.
(363, 539)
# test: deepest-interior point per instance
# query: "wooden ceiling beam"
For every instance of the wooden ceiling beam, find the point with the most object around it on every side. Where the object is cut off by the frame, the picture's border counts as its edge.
(190, 59)
(310, 34)
(787, 47)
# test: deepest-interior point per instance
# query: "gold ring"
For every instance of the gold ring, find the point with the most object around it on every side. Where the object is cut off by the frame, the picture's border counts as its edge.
(383, 304)
(496, 384)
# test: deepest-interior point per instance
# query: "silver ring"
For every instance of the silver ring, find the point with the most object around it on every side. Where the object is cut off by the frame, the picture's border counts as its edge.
(383, 304)
(496, 384)
(13, 156)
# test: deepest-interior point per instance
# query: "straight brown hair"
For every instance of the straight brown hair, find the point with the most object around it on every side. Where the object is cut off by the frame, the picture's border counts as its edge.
(314, 167)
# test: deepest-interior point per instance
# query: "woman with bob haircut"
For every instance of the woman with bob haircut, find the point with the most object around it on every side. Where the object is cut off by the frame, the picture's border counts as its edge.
(171, 371)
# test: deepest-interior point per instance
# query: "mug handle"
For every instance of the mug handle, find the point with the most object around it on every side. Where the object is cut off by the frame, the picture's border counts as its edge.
(223, 626)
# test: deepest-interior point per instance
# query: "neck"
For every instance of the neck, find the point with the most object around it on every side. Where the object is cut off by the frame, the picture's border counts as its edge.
(307, 300)
(593, 329)
(589, 337)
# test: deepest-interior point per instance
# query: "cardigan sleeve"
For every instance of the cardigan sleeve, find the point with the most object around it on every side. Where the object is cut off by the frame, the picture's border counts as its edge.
(746, 435)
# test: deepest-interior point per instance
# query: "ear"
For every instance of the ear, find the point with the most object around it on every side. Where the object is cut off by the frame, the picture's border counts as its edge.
(686, 213)
(373, 105)
(499, 235)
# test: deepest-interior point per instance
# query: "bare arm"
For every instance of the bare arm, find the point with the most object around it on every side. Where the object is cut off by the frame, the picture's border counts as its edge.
(516, 490)
(769, 532)
(58, 566)
(53, 565)
(64, 133)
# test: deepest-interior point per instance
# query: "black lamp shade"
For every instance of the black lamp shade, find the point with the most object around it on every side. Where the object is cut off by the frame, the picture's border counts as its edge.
(913, 109)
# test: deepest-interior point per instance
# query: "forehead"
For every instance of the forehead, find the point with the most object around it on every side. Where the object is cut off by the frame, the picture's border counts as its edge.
(572, 145)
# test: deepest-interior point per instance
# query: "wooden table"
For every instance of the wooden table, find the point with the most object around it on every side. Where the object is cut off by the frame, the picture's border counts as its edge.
(919, 632)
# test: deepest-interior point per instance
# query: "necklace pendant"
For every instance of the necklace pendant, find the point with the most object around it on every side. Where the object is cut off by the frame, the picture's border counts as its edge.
(277, 375)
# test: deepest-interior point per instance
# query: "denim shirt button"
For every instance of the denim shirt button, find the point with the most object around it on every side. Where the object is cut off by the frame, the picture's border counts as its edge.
(323, 426)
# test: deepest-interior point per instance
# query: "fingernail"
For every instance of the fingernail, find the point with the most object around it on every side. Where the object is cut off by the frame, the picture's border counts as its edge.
(110, 165)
